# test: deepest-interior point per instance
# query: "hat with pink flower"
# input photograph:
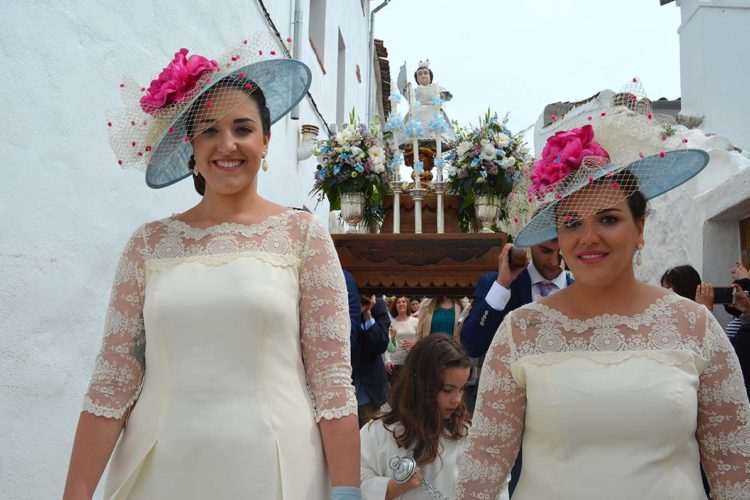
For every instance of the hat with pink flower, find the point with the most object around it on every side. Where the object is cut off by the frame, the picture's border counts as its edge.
(575, 166)
(155, 129)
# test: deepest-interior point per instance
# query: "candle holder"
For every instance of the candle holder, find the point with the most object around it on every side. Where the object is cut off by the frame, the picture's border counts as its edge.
(439, 187)
(417, 194)
(397, 186)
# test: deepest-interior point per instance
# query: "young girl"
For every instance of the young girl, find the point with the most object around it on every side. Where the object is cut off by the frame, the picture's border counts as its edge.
(427, 421)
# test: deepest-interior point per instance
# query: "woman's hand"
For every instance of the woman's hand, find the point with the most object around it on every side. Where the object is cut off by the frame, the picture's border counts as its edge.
(393, 332)
(389, 367)
(741, 301)
(704, 294)
(408, 344)
(395, 490)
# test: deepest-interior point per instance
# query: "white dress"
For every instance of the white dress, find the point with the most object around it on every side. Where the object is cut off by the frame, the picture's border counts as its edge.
(613, 407)
(405, 330)
(226, 345)
(378, 447)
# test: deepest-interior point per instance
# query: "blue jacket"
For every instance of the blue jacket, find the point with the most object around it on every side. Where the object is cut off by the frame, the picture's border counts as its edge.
(354, 308)
(483, 321)
(368, 370)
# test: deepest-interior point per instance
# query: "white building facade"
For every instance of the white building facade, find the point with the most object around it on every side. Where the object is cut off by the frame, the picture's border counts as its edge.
(67, 207)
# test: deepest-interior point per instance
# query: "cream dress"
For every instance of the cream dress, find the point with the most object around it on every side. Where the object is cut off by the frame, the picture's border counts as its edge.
(226, 345)
(615, 408)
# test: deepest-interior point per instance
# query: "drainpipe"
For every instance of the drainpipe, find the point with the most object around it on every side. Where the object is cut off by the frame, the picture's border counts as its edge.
(297, 47)
(370, 59)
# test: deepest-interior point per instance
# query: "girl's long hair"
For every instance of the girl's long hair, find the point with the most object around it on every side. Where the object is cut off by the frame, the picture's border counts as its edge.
(413, 403)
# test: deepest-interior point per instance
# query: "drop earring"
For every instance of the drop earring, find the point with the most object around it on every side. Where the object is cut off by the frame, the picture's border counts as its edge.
(264, 165)
(638, 259)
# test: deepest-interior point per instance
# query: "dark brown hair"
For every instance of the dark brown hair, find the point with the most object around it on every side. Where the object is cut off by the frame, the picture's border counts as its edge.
(413, 403)
(683, 280)
(432, 76)
(245, 86)
(394, 311)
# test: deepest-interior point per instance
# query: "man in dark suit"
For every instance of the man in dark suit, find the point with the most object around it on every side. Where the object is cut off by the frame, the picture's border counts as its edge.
(499, 293)
(354, 308)
(368, 371)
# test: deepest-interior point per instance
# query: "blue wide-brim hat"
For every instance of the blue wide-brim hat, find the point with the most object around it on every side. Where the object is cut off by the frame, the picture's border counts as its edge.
(152, 136)
(654, 175)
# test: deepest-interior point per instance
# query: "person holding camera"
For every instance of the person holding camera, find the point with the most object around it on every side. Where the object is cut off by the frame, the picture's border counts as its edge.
(368, 370)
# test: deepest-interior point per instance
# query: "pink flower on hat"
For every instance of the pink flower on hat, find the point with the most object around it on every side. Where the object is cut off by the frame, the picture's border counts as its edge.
(563, 155)
(176, 81)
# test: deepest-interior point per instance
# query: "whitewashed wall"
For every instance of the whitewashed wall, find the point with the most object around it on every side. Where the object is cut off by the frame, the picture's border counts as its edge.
(67, 209)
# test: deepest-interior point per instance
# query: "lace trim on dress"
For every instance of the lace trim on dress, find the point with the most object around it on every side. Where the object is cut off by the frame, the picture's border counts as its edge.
(612, 320)
(276, 260)
(334, 413)
(197, 233)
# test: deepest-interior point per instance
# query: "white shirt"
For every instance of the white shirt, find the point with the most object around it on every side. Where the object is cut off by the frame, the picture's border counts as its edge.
(378, 446)
(498, 296)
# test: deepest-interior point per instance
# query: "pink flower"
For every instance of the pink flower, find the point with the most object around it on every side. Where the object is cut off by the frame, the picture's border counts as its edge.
(563, 155)
(176, 81)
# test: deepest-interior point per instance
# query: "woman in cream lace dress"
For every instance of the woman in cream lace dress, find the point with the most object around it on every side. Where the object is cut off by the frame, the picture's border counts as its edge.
(224, 369)
(614, 389)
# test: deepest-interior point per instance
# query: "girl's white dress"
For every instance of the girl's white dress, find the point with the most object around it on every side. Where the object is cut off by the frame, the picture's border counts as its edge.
(613, 407)
(378, 446)
(227, 345)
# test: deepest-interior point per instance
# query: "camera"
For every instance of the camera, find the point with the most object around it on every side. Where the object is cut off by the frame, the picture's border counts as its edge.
(723, 295)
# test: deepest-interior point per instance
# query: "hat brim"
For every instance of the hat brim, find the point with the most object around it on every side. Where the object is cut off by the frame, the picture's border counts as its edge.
(656, 175)
(284, 82)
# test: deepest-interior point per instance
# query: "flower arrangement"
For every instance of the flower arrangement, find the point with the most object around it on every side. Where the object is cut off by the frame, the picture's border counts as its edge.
(486, 161)
(355, 160)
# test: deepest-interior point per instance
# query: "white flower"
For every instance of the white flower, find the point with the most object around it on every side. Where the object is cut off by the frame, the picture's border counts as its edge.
(509, 162)
(480, 180)
(451, 171)
(377, 154)
(501, 139)
(345, 136)
(488, 152)
(378, 168)
(357, 152)
(463, 147)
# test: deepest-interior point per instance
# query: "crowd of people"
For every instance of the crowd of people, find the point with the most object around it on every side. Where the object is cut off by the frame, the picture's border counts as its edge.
(240, 361)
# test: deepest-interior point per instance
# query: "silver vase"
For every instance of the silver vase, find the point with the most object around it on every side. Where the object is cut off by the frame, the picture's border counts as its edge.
(352, 210)
(487, 208)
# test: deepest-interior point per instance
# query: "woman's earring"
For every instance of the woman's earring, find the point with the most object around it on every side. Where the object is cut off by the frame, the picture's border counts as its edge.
(192, 167)
(264, 165)
(638, 259)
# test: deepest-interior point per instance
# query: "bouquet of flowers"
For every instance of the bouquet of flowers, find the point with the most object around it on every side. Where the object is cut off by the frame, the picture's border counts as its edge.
(355, 160)
(487, 160)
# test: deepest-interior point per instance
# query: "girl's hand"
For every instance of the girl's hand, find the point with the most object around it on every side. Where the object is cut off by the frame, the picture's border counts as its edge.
(395, 490)
(389, 368)
(704, 294)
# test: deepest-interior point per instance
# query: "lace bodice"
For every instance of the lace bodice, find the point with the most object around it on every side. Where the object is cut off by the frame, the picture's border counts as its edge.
(289, 239)
(671, 331)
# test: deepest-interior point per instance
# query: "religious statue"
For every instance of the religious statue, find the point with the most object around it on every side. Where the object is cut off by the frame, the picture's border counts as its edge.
(425, 105)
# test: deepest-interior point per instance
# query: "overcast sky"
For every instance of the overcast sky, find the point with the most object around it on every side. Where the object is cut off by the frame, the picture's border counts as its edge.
(517, 56)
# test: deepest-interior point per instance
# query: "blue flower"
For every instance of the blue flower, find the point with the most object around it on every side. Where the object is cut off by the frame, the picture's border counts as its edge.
(439, 163)
(344, 156)
(336, 169)
(394, 122)
(419, 167)
(475, 162)
(359, 168)
(437, 101)
(396, 96)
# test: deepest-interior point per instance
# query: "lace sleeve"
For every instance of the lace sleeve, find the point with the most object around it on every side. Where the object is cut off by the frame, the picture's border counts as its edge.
(723, 419)
(118, 372)
(497, 427)
(324, 326)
